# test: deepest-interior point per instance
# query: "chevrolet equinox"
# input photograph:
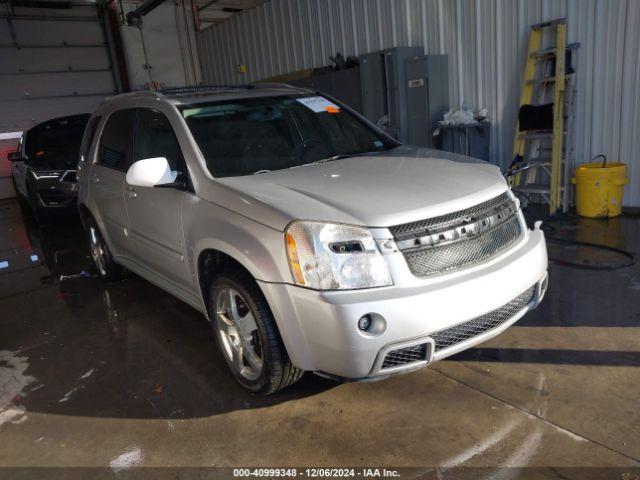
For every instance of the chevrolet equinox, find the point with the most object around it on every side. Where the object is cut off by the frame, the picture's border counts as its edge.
(309, 238)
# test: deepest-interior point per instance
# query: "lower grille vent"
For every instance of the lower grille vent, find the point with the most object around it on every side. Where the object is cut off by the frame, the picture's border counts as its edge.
(403, 356)
(459, 333)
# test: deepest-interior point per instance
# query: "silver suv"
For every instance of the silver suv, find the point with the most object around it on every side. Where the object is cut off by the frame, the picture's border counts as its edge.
(310, 239)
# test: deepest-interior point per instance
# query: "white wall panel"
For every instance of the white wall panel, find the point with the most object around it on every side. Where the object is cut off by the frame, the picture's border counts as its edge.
(166, 48)
(486, 41)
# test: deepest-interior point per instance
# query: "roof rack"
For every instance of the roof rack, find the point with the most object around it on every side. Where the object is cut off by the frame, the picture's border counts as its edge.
(204, 89)
(201, 89)
(277, 85)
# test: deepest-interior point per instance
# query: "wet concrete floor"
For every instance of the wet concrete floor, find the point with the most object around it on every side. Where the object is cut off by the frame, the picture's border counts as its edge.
(124, 375)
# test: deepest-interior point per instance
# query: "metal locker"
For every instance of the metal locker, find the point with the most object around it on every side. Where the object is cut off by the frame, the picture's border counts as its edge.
(374, 88)
(427, 97)
(384, 87)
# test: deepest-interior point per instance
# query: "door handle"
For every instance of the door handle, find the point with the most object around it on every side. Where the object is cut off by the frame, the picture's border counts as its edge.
(131, 192)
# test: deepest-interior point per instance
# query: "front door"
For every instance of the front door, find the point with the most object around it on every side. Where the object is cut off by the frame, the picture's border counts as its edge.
(106, 178)
(155, 214)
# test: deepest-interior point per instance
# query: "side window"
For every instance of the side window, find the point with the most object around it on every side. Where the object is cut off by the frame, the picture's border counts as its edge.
(115, 143)
(155, 138)
(87, 138)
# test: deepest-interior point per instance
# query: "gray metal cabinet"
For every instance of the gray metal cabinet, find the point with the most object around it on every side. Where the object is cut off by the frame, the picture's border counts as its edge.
(472, 140)
(427, 97)
(341, 84)
(384, 87)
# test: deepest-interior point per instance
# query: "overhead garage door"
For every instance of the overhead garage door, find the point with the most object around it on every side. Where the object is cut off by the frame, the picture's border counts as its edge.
(53, 62)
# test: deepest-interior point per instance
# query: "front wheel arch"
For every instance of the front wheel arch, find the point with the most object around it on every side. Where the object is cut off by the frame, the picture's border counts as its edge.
(210, 263)
(277, 371)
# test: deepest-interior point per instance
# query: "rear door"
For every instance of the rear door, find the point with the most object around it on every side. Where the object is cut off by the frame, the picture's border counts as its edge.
(155, 214)
(107, 177)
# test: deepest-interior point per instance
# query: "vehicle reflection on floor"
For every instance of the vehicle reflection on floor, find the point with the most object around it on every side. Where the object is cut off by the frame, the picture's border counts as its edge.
(57, 305)
(31, 256)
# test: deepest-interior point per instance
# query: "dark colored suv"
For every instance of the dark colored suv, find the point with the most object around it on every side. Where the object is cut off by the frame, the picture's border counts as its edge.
(44, 167)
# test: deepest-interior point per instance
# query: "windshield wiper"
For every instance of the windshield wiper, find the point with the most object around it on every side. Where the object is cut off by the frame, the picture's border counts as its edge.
(342, 156)
(260, 171)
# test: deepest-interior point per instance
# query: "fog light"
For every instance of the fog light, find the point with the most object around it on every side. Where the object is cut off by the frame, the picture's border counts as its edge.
(364, 323)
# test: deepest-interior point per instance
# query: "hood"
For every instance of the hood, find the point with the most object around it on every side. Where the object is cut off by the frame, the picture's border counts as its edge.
(377, 190)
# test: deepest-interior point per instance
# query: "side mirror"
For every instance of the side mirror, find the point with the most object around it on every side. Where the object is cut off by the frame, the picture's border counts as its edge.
(151, 172)
(15, 157)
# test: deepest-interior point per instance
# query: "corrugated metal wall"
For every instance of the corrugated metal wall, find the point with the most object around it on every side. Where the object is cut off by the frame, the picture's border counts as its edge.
(486, 41)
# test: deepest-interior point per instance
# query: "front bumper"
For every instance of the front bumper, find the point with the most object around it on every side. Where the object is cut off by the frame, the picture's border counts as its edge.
(320, 332)
(55, 195)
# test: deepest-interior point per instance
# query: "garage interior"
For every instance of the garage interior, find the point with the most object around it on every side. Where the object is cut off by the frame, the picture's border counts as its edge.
(112, 379)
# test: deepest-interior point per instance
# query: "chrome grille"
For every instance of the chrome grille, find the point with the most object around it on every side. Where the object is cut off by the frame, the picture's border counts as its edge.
(459, 239)
(449, 220)
(464, 331)
(402, 356)
(430, 260)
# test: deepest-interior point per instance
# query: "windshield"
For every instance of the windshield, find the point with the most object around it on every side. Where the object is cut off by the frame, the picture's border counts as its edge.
(57, 139)
(245, 136)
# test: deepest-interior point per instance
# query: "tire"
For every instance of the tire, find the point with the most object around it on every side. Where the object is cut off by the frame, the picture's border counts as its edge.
(107, 268)
(242, 343)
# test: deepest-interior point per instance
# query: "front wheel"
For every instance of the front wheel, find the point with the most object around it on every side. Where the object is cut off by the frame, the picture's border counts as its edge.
(107, 268)
(247, 335)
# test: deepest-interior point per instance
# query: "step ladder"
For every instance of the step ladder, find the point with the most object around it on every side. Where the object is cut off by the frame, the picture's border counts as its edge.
(546, 81)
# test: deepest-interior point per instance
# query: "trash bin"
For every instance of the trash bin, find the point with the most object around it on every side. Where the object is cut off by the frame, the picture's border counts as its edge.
(472, 140)
(599, 187)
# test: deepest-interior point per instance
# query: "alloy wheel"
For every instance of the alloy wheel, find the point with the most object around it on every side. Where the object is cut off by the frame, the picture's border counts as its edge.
(97, 251)
(239, 334)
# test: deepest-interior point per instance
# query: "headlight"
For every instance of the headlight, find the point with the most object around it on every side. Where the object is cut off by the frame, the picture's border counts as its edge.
(46, 174)
(327, 256)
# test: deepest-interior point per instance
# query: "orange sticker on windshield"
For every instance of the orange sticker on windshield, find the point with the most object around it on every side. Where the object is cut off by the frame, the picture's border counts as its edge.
(332, 109)
(39, 153)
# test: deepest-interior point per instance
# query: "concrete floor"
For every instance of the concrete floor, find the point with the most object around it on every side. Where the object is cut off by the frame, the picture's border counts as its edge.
(122, 375)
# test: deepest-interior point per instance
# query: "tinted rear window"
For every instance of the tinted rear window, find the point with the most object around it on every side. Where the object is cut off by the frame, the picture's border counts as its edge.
(59, 138)
(115, 142)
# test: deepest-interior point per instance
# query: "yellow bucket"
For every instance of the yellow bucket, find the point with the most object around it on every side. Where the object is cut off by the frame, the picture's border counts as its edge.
(599, 187)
